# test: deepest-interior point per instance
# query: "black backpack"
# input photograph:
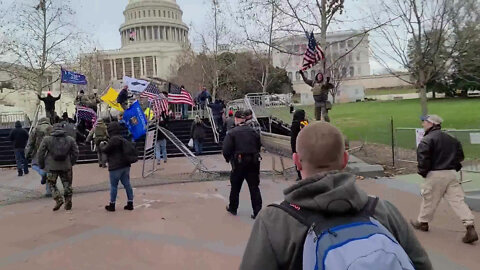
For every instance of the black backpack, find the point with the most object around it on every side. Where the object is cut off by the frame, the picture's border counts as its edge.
(60, 150)
(129, 151)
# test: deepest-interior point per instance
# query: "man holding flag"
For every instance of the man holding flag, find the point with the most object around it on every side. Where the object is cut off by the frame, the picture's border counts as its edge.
(313, 55)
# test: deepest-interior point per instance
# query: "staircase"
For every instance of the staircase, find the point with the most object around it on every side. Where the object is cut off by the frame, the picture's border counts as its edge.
(180, 128)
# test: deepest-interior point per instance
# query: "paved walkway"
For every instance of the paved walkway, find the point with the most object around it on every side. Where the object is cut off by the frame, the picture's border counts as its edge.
(178, 226)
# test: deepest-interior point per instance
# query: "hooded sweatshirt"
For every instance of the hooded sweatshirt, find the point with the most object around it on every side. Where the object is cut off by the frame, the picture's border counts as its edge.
(42, 130)
(114, 148)
(277, 238)
(19, 136)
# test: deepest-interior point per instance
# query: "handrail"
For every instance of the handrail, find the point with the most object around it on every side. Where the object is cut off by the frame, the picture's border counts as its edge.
(35, 119)
(216, 135)
(249, 106)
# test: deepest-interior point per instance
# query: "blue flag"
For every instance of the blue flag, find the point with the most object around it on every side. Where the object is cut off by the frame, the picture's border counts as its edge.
(73, 78)
(135, 120)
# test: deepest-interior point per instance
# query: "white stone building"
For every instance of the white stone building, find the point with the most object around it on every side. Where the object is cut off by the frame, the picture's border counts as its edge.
(160, 36)
(355, 64)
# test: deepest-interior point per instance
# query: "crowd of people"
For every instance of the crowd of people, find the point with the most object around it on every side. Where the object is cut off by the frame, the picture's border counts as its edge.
(324, 210)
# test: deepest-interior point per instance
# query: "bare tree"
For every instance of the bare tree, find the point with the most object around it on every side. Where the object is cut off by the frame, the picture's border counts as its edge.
(424, 26)
(339, 70)
(40, 39)
(90, 65)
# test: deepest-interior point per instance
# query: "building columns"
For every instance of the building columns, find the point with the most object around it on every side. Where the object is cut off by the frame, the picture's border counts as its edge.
(133, 67)
(123, 66)
(141, 67)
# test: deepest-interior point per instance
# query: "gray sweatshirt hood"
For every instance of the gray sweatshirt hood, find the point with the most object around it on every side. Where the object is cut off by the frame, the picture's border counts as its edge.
(332, 192)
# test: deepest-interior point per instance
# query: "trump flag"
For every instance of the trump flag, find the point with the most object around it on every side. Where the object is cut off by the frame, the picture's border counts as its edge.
(73, 78)
(135, 120)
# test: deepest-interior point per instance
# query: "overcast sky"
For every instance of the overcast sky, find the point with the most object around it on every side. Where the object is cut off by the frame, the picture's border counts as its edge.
(101, 19)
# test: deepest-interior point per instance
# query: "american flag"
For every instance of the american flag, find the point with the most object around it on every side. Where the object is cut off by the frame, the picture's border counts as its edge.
(87, 114)
(158, 100)
(314, 53)
(177, 95)
(132, 35)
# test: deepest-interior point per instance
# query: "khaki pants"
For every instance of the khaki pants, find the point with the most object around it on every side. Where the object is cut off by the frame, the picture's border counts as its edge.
(444, 184)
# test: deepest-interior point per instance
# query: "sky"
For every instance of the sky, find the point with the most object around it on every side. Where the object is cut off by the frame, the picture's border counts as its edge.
(101, 19)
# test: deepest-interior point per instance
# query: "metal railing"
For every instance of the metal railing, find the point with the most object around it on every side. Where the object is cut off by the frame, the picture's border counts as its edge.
(184, 149)
(216, 135)
(35, 119)
(8, 119)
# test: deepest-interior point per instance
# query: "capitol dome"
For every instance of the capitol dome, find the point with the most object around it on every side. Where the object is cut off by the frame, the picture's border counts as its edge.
(153, 21)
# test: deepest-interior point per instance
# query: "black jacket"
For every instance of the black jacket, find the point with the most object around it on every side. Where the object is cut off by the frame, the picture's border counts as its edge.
(160, 135)
(114, 148)
(49, 102)
(298, 117)
(439, 151)
(198, 132)
(217, 109)
(19, 137)
(241, 140)
(123, 96)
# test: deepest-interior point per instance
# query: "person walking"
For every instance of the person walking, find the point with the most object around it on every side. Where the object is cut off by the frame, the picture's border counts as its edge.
(99, 134)
(218, 109)
(49, 102)
(198, 134)
(161, 145)
(241, 148)
(120, 154)
(57, 155)
(202, 99)
(42, 130)
(320, 95)
(298, 123)
(230, 122)
(19, 137)
(327, 218)
(439, 157)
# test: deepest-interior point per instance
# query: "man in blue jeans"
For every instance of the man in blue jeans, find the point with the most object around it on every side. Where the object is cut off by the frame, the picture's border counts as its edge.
(19, 138)
(118, 166)
(161, 145)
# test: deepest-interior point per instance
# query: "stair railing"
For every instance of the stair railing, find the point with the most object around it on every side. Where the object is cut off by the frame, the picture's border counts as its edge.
(216, 135)
(35, 120)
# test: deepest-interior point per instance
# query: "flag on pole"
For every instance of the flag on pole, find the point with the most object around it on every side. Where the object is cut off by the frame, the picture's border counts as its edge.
(177, 95)
(135, 120)
(135, 85)
(73, 78)
(132, 35)
(111, 99)
(158, 100)
(313, 54)
(86, 114)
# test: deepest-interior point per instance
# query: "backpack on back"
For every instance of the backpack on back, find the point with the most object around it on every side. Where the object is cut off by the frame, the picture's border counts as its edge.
(60, 149)
(129, 151)
(351, 242)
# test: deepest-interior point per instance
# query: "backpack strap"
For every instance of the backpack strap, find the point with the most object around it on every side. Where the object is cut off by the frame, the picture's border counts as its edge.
(369, 208)
(295, 211)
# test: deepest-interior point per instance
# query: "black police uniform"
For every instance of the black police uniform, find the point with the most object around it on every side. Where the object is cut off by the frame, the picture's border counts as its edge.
(241, 147)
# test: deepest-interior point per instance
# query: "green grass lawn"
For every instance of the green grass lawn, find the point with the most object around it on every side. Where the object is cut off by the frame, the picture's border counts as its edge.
(389, 91)
(370, 121)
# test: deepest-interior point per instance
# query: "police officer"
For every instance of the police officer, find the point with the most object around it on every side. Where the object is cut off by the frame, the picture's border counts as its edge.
(241, 148)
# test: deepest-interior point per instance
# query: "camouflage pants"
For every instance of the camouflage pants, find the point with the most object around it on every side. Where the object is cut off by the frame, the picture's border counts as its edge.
(66, 177)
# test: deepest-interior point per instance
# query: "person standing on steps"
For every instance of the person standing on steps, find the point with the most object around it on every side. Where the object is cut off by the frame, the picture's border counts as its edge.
(19, 137)
(42, 130)
(123, 97)
(439, 157)
(241, 148)
(320, 95)
(120, 154)
(198, 134)
(57, 155)
(161, 145)
(99, 134)
(49, 102)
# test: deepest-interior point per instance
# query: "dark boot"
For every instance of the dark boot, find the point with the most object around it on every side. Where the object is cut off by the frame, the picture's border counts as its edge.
(129, 206)
(110, 207)
(68, 204)
(58, 205)
(231, 211)
(471, 235)
(44, 180)
(422, 226)
(20, 173)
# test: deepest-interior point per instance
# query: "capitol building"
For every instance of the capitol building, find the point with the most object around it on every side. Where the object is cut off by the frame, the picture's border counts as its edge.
(152, 38)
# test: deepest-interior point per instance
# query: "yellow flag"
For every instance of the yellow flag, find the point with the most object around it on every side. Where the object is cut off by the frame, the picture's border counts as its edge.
(111, 99)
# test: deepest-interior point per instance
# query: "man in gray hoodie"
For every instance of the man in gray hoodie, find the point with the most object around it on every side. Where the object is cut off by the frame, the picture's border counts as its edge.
(277, 238)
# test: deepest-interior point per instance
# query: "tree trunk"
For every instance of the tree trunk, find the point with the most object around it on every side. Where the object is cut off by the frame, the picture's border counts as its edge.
(267, 68)
(323, 38)
(423, 100)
